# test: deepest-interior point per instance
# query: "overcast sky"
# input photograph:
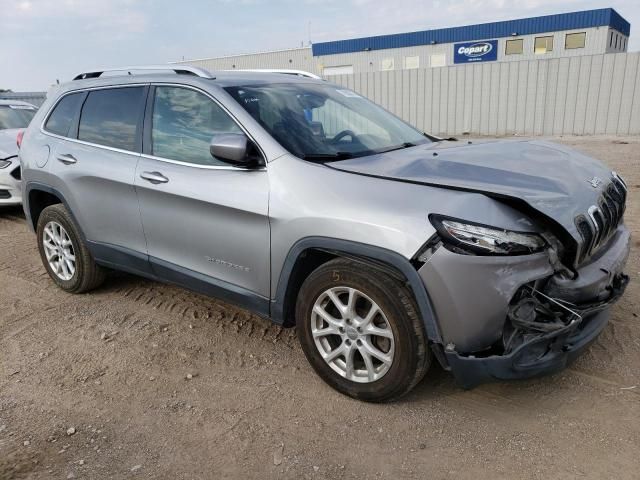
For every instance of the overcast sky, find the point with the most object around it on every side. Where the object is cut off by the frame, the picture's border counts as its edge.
(45, 40)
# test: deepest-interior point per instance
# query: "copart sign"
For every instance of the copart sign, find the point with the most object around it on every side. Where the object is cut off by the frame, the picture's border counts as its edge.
(483, 51)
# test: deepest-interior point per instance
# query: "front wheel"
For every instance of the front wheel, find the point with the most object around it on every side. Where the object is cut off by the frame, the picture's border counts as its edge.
(361, 331)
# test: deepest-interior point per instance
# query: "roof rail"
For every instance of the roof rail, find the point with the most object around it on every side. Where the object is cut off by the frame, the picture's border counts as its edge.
(180, 70)
(285, 71)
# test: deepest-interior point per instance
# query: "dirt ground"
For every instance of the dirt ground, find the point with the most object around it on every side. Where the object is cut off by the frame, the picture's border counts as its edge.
(113, 365)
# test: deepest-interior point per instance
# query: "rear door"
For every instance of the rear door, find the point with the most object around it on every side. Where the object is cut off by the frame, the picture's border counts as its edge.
(95, 163)
(203, 219)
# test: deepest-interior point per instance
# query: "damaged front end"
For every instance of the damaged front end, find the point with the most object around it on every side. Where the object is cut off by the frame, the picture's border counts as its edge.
(520, 316)
(542, 335)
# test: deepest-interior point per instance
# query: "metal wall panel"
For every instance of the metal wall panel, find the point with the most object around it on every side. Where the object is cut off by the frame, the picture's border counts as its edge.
(582, 95)
(627, 94)
(586, 95)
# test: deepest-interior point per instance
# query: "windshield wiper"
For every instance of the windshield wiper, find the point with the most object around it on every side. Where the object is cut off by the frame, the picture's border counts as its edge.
(398, 147)
(433, 138)
(327, 157)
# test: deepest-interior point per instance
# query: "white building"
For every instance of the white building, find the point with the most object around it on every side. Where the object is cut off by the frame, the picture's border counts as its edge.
(562, 35)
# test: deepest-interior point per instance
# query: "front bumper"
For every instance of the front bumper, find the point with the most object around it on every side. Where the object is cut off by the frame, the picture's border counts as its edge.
(10, 192)
(472, 297)
(546, 354)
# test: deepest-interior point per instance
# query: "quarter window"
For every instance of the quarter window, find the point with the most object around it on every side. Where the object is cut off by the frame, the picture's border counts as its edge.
(575, 40)
(63, 114)
(514, 47)
(111, 117)
(184, 122)
(543, 45)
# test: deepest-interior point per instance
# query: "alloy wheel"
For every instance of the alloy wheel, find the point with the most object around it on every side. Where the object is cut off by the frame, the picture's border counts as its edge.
(352, 334)
(59, 251)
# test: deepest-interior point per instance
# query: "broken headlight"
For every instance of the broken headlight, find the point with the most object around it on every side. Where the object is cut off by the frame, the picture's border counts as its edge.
(467, 237)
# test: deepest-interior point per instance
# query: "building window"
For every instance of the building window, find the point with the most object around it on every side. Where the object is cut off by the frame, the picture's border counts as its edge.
(438, 60)
(338, 70)
(611, 39)
(617, 41)
(411, 62)
(543, 45)
(575, 40)
(514, 47)
(387, 64)
(624, 49)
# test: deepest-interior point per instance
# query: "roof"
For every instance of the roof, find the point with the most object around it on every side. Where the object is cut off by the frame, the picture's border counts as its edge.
(220, 78)
(526, 26)
(5, 102)
(32, 98)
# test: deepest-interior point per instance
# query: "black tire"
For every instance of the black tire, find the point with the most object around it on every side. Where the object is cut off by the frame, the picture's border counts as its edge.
(88, 275)
(411, 358)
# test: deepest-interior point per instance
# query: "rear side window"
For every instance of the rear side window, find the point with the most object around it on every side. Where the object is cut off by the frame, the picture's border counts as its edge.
(63, 114)
(112, 117)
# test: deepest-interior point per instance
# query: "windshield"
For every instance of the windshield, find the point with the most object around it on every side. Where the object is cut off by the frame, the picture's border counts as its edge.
(324, 122)
(16, 116)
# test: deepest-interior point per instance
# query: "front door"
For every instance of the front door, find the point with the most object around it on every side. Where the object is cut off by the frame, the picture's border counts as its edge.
(205, 221)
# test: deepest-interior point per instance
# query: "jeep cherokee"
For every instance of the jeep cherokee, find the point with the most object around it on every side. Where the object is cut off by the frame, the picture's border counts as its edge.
(310, 205)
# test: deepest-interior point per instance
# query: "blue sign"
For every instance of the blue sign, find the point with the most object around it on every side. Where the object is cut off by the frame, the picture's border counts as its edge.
(483, 51)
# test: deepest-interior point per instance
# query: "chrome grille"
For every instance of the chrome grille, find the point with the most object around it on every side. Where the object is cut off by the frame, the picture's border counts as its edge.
(602, 219)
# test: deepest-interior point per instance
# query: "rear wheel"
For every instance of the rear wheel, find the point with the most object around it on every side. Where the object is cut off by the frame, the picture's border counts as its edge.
(361, 331)
(63, 253)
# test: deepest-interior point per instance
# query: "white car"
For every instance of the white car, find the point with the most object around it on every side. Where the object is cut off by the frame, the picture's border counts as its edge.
(14, 119)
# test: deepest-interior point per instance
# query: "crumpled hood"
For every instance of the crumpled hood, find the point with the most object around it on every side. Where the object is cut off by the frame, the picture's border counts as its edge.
(553, 179)
(8, 147)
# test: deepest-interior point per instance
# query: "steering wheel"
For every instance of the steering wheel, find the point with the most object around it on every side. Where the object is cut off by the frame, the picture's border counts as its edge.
(342, 134)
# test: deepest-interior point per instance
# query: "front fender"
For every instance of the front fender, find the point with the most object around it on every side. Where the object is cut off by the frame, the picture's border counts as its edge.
(382, 256)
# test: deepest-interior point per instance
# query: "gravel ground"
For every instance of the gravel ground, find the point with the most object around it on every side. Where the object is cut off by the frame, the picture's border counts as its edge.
(144, 380)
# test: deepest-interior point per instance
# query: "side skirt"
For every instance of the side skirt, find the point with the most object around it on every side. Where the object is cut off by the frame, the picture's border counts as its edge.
(130, 261)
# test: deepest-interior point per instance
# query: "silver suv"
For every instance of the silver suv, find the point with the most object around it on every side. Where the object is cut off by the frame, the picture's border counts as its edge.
(308, 204)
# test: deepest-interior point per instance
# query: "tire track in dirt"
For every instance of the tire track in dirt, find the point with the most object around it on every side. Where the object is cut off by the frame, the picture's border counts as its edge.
(186, 307)
(182, 304)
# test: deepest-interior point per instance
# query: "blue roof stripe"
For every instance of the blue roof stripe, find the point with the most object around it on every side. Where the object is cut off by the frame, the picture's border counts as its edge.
(526, 26)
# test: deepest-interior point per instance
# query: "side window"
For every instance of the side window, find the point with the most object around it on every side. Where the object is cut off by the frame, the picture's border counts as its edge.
(111, 117)
(63, 114)
(184, 122)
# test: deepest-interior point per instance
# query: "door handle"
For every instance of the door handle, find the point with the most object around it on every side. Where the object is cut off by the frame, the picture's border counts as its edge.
(154, 177)
(67, 159)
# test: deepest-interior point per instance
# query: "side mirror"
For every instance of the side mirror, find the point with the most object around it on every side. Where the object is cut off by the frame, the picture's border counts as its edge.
(231, 147)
